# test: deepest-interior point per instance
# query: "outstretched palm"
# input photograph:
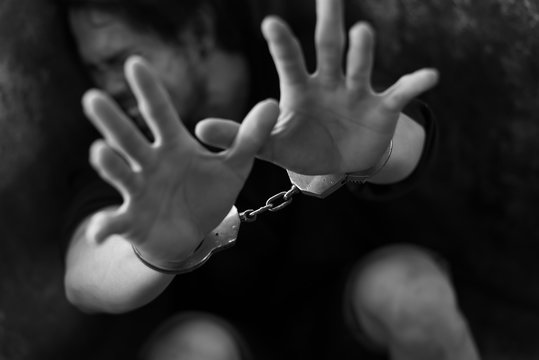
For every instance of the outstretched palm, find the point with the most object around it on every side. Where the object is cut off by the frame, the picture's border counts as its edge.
(330, 122)
(175, 191)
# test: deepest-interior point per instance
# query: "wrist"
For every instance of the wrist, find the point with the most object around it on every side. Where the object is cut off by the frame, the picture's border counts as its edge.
(223, 236)
(364, 175)
(156, 257)
(167, 246)
(408, 143)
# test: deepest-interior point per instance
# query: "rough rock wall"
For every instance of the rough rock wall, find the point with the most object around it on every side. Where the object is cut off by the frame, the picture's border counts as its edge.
(481, 198)
(39, 119)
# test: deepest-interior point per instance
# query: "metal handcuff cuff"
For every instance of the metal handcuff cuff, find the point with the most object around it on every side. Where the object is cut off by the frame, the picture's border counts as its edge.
(225, 234)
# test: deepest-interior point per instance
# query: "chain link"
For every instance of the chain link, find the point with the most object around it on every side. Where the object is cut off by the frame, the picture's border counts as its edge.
(272, 204)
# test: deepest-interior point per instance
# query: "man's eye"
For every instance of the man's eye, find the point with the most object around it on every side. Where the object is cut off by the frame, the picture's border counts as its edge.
(118, 63)
(94, 72)
(92, 69)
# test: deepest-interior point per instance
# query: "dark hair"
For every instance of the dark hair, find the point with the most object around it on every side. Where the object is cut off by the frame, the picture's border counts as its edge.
(167, 17)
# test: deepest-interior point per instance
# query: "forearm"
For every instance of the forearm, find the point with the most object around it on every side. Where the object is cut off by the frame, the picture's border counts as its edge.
(108, 277)
(408, 144)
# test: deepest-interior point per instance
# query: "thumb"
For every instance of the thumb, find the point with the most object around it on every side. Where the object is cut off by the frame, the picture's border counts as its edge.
(104, 224)
(254, 132)
(218, 133)
(408, 87)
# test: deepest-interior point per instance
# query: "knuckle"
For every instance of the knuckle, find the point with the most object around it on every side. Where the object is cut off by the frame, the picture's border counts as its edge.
(393, 102)
(359, 78)
(152, 110)
(135, 185)
(328, 44)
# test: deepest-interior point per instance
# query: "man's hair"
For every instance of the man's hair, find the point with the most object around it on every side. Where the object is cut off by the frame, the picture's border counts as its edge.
(167, 17)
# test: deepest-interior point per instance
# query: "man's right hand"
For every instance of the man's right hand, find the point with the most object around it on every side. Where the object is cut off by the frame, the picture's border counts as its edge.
(174, 190)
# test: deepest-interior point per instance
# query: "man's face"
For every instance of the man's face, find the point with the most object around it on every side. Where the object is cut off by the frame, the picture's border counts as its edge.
(105, 41)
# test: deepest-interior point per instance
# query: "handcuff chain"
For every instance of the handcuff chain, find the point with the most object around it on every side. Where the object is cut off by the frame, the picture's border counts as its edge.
(272, 204)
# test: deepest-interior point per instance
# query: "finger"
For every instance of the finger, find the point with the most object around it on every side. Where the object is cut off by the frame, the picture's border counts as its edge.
(118, 129)
(285, 51)
(219, 133)
(408, 87)
(253, 134)
(114, 169)
(153, 101)
(360, 57)
(329, 38)
(106, 223)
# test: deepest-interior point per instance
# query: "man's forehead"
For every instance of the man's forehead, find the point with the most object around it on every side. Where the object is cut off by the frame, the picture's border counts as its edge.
(96, 18)
(98, 34)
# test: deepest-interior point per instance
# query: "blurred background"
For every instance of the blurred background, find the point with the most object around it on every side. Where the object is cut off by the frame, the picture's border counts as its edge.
(478, 204)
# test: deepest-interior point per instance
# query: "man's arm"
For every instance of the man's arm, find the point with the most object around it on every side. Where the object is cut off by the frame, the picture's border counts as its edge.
(408, 145)
(332, 121)
(174, 193)
(107, 276)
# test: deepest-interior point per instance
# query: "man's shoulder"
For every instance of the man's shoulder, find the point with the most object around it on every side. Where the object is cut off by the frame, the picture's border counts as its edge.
(90, 194)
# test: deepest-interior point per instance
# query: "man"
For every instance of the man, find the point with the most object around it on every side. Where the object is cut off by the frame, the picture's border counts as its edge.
(175, 191)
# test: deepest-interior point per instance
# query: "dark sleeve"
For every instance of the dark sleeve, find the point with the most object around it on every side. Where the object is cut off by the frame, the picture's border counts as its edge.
(90, 194)
(420, 113)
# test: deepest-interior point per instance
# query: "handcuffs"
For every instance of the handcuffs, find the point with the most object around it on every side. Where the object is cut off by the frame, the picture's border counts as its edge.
(226, 233)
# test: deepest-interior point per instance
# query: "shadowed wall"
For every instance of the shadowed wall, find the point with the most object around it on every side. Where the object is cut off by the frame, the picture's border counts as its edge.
(41, 133)
(478, 202)
(481, 197)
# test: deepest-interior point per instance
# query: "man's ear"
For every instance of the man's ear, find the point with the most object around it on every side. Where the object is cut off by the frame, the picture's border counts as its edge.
(199, 32)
